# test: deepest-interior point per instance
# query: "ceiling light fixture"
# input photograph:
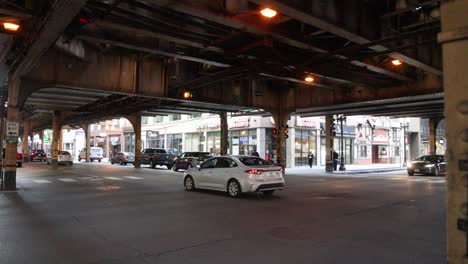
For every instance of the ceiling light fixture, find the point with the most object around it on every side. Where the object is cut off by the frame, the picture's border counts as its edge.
(397, 62)
(10, 26)
(268, 12)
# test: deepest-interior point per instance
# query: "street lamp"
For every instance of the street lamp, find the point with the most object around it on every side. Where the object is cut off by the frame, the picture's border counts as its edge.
(341, 119)
(404, 127)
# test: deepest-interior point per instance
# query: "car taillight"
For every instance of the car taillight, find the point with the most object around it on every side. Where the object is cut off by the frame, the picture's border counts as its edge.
(254, 171)
(126, 157)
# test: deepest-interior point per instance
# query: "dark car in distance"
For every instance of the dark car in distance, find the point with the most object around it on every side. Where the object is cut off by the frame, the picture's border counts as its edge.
(123, 158)
(37, 154)
(157, 156)
(427, 164)
(189, 159)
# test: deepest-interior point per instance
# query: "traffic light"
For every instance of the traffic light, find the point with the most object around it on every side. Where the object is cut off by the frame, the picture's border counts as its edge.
(286, 132)
(273, 131)
(187, 95)
(333, 127)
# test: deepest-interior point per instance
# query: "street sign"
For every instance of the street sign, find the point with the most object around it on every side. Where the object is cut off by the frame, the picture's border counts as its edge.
(12, 129)
(12, 132)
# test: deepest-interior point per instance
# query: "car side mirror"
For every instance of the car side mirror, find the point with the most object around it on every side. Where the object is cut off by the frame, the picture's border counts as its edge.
(198, 167)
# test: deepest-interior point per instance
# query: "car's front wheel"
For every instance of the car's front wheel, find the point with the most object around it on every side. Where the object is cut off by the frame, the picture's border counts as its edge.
(174, 167)
(410, 173)
(234, 189)
(268, 193)
(189, 183)
(169, 167)
(436, 171)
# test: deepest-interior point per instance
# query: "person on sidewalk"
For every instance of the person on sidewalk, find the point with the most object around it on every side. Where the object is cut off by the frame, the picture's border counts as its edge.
(335, 160)
(255, 153)
(311, 159)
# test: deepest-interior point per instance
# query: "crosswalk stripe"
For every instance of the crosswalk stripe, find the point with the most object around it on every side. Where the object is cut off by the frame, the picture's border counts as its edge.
(41, 181)
(438, 181)
(418, 180)
(133, 177)
(397, 178)
(67, 180)
(114, 178)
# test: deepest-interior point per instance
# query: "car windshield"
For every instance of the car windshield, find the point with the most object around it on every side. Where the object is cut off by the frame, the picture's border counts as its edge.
(253, 161)
(427, 158)
(64, 153)
(39, 151)
(198, 154)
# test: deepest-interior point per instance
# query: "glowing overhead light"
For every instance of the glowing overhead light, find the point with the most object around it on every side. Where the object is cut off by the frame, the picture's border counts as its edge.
(267, 12)
(10, 26)
(187, 95)
(397, 62)
(309, 79)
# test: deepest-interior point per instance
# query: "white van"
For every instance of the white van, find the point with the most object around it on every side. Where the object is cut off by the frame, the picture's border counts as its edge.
(96, 154)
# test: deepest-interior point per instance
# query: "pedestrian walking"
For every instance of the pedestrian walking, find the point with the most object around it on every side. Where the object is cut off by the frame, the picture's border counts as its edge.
(335, 160)
(311, 159)
(255, 153)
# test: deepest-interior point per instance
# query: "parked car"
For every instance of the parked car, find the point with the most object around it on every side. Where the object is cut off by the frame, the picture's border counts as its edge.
(37, 154)
(64, 157)
(123, 158)
(235, 175)
(19, 159)
(157, 156)
(428, 164)
(189, 159)
(95, 154)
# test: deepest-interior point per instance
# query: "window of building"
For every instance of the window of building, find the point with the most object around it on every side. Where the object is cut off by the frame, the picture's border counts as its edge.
(144, 120)
(129, 142)
(242, 142)
(397, 151)
(363, 152)
(305, 141)
(174, 117)
(158, 119)
(193, 142)
(214, 142)
(195, 115)
(174, 143)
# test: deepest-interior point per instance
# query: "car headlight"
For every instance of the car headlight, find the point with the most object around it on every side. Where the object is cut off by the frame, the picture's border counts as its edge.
(429, 165)
(409, 165)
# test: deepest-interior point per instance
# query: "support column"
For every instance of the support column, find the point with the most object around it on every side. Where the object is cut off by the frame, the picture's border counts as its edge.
(87, 141)
(454, 40)
(11, 148)
(329, 143)
(433, 122)
(60, 142)
(224, 133)
(26, 127)
(41, 137)
(135, 120)
(281, 120)
(56, 135)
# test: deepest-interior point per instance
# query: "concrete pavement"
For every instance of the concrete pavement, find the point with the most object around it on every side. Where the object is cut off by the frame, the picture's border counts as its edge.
(99, 213)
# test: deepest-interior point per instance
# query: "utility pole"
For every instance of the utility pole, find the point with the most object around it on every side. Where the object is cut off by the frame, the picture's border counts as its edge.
(342, 118)
(404, 127)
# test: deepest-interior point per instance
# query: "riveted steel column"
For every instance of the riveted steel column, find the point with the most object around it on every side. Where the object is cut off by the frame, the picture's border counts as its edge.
(135, 120)
(454, 40)
(56, 134)
(26, 127)
(433, 122)
(329, 143)
(88, 141)
(11, 148)
(224, 133)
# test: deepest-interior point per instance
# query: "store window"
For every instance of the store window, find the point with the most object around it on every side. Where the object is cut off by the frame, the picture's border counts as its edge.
(193, 142)
(129, 142)
(174, 143)
(305, 142)
(348, 149)
(270, 145)
(214, 142)
(155, 141)
(363, 152)
(243, 142)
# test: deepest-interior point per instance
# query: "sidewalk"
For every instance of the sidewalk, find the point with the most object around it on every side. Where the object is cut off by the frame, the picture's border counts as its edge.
(350, 169)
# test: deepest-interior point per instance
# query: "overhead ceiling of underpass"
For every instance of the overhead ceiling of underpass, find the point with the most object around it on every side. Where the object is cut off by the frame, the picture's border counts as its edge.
(231, 56)
(424, 106)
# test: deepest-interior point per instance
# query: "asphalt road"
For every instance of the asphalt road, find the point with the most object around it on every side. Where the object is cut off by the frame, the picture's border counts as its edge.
(101, 213)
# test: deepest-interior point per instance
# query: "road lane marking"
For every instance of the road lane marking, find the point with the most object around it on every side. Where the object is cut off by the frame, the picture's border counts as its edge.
(133, 177)
(114, 178)
(41, 181)
(67, 180)
(418, 180)
(438, 181)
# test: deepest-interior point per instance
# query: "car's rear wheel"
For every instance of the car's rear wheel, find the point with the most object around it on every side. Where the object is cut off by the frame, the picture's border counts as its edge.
(234, 189)
(189, 183)
(121, 162)
(174, 167)
(169, 167)
(99, 160)
(268, 193)
(152, 165)
(19, 164)
(410, 173)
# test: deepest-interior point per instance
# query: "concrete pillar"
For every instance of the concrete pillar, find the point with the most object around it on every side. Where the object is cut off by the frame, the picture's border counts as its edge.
(224, 132)
(56, 135)
(329, 143)
(60, 142)
(433, 122)
(13, 115)
(26, 128)
(87, 141)
(135, 120)
(454, 40)
(290, 149)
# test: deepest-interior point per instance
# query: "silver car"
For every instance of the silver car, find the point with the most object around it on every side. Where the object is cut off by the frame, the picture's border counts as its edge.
(235, 175)
(64, 157)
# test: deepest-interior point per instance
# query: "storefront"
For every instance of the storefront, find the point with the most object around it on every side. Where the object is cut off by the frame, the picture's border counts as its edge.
(194, 141)
(174, 143)
(305, 142)
(380, 145)
(213, 140)
(129, 139)
(242, 142)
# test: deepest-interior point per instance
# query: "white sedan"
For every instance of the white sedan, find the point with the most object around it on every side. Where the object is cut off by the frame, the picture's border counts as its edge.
(235, 175)
(64, 157)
